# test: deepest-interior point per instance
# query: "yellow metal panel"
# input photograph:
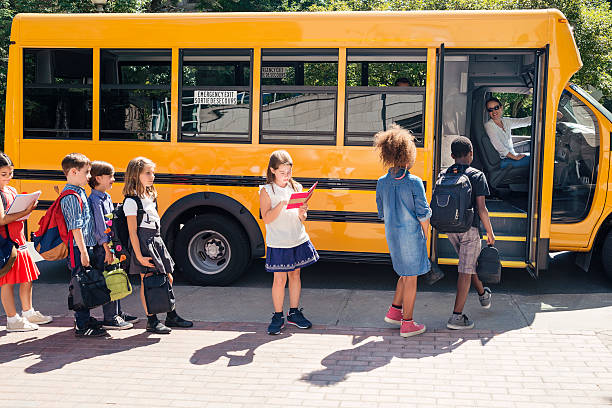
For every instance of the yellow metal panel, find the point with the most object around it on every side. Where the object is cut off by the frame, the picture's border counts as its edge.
(174, 96)
(505, 264)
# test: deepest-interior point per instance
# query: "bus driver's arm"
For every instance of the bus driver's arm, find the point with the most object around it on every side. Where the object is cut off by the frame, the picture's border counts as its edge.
(269, 214)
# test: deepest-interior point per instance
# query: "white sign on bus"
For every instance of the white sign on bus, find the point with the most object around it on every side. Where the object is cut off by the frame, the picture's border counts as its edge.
(215, 97)
(273, 72)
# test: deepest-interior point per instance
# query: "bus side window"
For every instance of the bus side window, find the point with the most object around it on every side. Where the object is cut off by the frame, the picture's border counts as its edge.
(216, 95)
(57, 93)
(384, 87)
(135, 95)
(299, 90)
(576, 160)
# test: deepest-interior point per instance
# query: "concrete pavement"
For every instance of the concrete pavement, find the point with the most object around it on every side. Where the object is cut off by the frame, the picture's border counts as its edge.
(526, 351)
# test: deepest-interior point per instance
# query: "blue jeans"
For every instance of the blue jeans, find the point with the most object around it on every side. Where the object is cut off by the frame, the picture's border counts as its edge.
(507, 162)
(96, 259)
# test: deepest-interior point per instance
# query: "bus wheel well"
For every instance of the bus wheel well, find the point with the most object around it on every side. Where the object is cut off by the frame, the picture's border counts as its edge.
(194, 205)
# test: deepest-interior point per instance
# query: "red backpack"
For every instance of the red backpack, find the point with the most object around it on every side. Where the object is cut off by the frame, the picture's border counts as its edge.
(53, 240)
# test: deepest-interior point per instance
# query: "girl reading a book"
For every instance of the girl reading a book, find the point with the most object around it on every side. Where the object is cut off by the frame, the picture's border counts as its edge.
(23, 270)
(402, 205)
(288, 246)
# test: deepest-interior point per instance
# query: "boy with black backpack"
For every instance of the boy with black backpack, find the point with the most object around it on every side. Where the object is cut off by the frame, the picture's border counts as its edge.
(458, 205)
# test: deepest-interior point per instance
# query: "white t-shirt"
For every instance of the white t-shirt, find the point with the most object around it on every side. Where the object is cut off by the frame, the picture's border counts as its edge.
(150, 218)
(501, 139)
(286, 231)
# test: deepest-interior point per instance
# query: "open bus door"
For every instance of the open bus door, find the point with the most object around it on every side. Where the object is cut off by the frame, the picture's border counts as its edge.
(536, 257)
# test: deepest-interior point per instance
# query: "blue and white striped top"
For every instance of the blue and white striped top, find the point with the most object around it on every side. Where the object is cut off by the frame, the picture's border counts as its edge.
(77, 218)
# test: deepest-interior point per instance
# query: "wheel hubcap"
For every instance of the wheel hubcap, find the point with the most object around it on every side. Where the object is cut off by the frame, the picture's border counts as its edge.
(209, 252)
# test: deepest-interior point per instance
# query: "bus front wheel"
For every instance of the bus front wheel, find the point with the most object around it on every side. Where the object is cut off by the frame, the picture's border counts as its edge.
(212, 250)
(606, 255)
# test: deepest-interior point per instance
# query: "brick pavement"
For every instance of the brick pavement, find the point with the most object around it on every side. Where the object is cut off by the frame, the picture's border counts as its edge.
(239, 365)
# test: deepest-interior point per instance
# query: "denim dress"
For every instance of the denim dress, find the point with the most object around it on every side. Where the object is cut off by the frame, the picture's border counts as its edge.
(402, 205)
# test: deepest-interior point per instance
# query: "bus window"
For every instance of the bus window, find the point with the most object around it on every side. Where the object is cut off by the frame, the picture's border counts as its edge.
(384, 87)
(298, 96)
(57, 93)
(576, 160)
(216, 96)
(135, 95)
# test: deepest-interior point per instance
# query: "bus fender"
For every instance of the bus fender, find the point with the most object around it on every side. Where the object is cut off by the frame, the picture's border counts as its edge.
(191, 202)
(583, 259)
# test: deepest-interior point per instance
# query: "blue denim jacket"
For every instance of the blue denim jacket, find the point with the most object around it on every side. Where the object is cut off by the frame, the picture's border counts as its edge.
(402, 205)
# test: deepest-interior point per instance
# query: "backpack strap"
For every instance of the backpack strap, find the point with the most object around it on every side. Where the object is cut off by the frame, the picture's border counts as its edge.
(5, 206)
(140, 211)
(64, 194)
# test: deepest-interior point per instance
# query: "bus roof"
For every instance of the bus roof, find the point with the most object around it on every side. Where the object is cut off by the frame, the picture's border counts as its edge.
(407, 29)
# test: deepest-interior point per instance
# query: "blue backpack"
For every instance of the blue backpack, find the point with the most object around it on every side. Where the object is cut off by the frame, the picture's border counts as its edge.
(8, 248)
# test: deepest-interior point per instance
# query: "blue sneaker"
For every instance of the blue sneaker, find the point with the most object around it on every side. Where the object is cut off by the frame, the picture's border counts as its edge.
(297, 319)
(276, 325)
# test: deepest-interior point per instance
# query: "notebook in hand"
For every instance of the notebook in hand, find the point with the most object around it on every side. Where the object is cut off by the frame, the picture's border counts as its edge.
(298, 199)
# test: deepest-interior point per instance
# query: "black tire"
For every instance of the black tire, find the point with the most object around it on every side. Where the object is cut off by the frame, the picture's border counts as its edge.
(212, 249)
(606, 255)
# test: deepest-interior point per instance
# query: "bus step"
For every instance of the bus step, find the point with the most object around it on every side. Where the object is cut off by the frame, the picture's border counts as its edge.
(509, 247)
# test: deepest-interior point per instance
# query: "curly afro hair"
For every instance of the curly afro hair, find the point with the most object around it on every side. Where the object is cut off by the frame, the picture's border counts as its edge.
(396, 147)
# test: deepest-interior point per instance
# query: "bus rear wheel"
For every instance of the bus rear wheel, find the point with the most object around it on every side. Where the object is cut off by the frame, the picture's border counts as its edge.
(606, 254)
(212, 250)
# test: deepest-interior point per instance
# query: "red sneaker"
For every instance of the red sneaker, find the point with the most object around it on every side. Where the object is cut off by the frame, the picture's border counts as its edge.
(394, 316)
(410, 328)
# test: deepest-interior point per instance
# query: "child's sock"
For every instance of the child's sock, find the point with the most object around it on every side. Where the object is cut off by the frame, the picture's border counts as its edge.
(398, 307)
(457, 313)
(26, 313)
(292, 310)
(172, 314)
(278, 314)
(152, 319)
(13, 319)
(406, 320)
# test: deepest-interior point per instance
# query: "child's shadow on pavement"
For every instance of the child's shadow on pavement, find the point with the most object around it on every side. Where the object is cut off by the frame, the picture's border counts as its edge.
(233, 349)
(375, 354)
(60, 349)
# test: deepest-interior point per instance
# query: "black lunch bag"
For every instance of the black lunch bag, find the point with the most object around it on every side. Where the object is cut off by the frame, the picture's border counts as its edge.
(159, 296)
(489, 265)
(87, 290)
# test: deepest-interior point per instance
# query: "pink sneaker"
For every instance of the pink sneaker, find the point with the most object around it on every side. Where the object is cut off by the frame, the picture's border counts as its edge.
(410, 328)
(394, 316)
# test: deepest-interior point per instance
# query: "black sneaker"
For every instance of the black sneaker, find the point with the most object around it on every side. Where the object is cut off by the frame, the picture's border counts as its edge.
(177, 321)
(129, 318)
(297, 319)
(158, 327)
(116, 324)
(90, 331)
(276, 325)
(93, 322)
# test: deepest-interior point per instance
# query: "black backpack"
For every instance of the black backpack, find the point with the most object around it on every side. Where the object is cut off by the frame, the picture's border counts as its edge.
(87, 290)
(451, 202)
(120, 234)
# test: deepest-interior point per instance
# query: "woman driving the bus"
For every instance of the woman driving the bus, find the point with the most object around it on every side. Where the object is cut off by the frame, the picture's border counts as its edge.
(499, 130)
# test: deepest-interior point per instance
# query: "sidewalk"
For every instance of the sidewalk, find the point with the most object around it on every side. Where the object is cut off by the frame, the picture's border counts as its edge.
(526, 351)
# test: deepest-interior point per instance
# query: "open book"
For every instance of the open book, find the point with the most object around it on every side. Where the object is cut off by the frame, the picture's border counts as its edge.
(22, 202)
(298, 199)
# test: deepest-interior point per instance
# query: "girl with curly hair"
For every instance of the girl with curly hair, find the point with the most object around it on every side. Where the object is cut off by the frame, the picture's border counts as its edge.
(402, 205)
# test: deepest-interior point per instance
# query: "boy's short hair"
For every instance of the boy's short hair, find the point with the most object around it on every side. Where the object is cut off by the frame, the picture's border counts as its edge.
(402, 80)
(99, 168)
(461, 147)
(74, 161)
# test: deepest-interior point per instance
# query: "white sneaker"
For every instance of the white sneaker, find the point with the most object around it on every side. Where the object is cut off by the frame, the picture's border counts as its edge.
(39, 318)
(21, 325)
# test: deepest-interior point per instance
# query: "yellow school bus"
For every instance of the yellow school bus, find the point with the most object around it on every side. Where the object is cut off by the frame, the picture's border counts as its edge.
(208, 97)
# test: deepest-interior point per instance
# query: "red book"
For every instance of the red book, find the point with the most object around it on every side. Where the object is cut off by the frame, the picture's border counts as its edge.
(298, 199)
